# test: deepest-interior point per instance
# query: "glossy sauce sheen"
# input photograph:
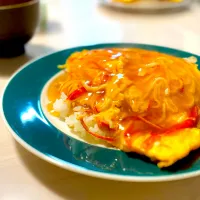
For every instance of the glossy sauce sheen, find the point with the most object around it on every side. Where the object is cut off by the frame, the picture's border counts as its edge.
(130, 91)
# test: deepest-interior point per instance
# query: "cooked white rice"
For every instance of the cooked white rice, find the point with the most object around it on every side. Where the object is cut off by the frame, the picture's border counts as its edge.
(71, 118)
(191, 59)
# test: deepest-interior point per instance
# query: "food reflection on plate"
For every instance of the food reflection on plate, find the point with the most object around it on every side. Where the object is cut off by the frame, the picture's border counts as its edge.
(135, 100)
(114, 161)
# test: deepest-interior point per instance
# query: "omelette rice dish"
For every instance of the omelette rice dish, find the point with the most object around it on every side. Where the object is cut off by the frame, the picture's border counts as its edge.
(133, 99)
(133, 1)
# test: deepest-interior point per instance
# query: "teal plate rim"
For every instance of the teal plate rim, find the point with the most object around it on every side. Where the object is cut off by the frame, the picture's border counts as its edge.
(22, 114)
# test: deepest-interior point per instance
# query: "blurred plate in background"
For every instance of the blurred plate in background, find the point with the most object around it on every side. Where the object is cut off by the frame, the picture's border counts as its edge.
(147, 4)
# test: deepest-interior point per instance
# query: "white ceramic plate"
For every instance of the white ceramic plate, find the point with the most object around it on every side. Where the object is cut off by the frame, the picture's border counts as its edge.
(147, 4)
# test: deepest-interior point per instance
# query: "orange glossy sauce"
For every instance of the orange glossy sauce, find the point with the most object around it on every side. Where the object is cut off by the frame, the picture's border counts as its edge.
(124, 83)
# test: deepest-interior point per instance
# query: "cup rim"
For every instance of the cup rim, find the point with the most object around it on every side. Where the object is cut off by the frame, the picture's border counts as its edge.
(19, 5)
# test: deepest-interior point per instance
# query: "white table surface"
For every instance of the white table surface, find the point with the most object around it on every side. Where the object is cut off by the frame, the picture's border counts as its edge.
(23, 176)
